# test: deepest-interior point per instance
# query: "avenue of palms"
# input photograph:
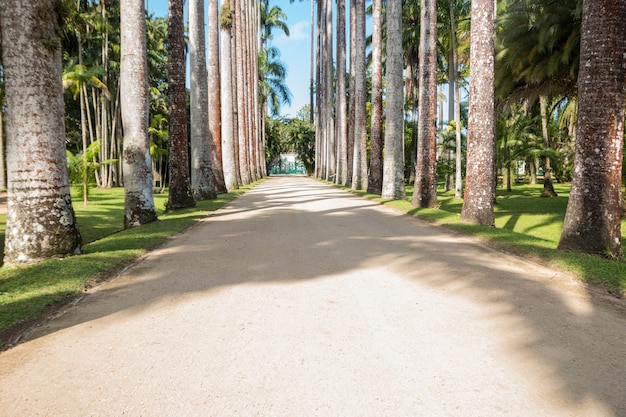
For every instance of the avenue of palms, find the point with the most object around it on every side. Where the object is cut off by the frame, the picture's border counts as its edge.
(530, 107)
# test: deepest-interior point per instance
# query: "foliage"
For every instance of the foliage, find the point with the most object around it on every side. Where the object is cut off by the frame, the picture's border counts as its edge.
(291, 135)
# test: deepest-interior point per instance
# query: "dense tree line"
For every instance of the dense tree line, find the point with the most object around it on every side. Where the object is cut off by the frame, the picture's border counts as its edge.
(108, 106)
(529, 114)
(544, 81)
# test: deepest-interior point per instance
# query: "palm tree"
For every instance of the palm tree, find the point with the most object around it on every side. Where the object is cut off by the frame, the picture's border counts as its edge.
(393, 172)
(202, 179)
(375, 180)
(359, 176)
(425, 191)
(226, 97)
(594, 211)
(239, 51)
(40, 217)
(480, 191)
(138, 199)
(538, 49)
(341, 105)
(213, 70)
(272, 75)
(180, 195)
(76, 80)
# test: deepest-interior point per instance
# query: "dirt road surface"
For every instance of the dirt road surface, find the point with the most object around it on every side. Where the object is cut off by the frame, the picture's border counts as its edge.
(299, 299)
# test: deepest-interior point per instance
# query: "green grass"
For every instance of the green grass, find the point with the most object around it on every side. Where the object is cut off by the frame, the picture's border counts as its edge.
(528, 226)
(27, 292)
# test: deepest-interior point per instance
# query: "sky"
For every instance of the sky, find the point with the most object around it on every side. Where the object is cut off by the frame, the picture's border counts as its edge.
(295, 49)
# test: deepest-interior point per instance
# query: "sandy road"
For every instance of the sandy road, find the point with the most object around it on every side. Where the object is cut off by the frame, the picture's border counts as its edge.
(299, 299)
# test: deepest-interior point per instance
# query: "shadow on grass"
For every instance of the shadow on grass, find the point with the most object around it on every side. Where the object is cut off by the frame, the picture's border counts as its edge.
(28, 293)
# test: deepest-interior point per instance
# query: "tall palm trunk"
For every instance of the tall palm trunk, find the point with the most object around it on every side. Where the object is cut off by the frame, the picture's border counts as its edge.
(312, 66)
(375, 181)
(214, 102)
(593, 216)
(425, 191)
(351, 87)
(548, 186)
(359, 179)
(480, 188)
(226, 97)
(393, 172)
(341, 123)
(3, 168)
(180, 195)
(40, 218)
(455, 108)
(239, 103)
(136, 162)
(202, 179)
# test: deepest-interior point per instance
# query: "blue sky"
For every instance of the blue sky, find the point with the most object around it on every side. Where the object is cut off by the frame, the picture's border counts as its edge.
(295, 49)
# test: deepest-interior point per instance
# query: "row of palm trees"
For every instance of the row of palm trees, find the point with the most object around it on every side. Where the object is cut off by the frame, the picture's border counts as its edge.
(125, 89)
(526, 75)
(41, 221)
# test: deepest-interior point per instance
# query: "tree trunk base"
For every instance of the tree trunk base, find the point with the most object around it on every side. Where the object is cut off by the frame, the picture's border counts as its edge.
(548, 189)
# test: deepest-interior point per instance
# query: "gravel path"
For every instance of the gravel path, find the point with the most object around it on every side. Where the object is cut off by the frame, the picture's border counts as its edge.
(299, 299)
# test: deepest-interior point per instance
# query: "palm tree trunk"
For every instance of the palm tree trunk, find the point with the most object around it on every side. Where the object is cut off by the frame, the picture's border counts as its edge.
(425, 191)
(240, 77)
(548, 186)
(138, 198)
(214, 103)
(594, 211)
(40, 218)
(180, 195)
(226, 97)
(3, 168)
(342, 126)
(480, 190)
(359, 179)
(375, 181)
(455, 109)
(202, 178)
(393, 171)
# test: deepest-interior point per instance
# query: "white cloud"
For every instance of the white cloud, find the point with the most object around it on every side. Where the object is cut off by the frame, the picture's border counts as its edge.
(299, 31)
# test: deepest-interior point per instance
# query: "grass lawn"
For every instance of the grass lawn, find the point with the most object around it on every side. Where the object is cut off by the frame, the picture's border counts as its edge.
(526, 225)
(28, 292)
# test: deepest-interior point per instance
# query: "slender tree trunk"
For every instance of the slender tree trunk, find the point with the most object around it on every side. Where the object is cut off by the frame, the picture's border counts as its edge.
(375, 181)
(393, 173)
(341, 124)
(40, 217)
(351, 87)
(226, 97)
(594, 211)
(480, 190)
(312, 65)
(240, 77)
(456, 108)
(359, 179)
(319, 160)
(3, 168)
(180, 195)
(425, 191)
(329, 97)
(214, 102)
(202, 179)
(136, 162)
(548, 186)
